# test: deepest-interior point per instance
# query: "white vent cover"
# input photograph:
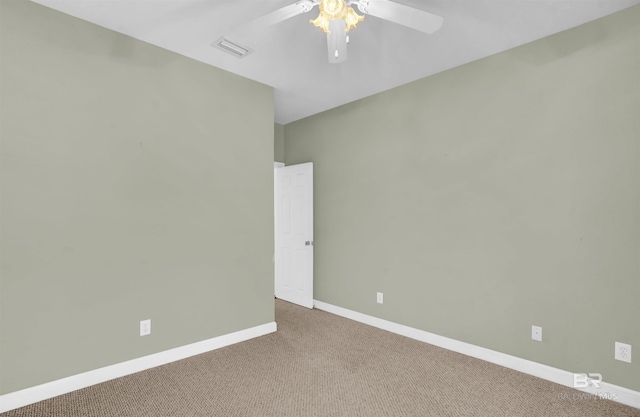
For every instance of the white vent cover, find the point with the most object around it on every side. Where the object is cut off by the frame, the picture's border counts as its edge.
(233, 48)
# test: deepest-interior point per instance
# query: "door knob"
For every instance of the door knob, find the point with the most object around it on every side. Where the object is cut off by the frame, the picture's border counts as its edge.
(308, 243)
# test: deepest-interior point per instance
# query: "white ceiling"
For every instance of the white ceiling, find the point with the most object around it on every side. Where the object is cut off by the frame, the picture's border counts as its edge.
(292, 56)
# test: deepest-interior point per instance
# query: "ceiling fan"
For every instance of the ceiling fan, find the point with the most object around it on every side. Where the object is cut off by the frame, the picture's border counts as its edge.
(336, 18)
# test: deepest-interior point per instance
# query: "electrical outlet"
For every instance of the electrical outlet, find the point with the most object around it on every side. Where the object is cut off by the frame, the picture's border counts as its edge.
(145, 327)
(536, 333)
(623, 352)
(379, 298)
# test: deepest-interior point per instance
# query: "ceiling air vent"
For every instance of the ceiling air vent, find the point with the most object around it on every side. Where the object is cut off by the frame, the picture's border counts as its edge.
(234, 49)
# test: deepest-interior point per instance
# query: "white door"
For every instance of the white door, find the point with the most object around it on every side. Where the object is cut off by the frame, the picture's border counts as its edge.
(294, 234)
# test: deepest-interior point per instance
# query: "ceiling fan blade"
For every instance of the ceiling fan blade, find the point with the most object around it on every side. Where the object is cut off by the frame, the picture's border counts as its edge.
(337, 41)
(256, 25)
(403, 15)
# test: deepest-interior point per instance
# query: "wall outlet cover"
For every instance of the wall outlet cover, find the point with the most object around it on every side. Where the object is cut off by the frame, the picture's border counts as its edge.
(145, 327)
(623, 352)
(536, 333)
(379, 299)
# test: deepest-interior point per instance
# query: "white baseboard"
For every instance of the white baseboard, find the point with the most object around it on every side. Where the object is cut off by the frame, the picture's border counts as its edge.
(615, 393)
(32, 395)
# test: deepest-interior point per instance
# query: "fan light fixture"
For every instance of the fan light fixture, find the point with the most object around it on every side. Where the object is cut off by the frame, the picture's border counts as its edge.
(336, 10)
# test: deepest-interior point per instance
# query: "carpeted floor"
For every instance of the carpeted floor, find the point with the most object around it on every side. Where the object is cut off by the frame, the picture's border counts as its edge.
(319, 364)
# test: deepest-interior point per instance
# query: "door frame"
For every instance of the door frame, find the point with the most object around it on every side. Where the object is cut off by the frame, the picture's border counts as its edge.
(276, 165)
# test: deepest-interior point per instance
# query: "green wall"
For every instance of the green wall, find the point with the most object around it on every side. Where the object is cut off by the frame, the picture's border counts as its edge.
(278, 143)
(492, 197)
(132, 188)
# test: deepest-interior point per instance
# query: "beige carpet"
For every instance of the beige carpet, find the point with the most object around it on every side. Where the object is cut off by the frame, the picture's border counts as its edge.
(318, 364)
